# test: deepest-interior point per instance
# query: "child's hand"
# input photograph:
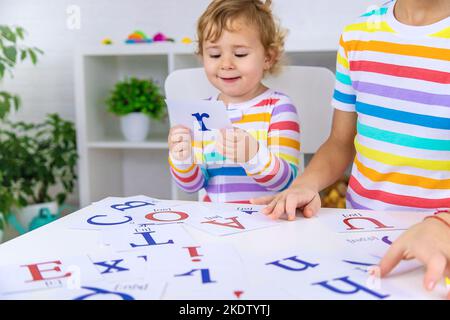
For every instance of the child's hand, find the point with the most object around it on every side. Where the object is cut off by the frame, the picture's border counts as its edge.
(301, 197)
(429, 242)
(237, 145)
(180, 146)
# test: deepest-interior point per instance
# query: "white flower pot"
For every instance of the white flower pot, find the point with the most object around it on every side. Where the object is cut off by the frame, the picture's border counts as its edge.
(26, 214)
(135, 126)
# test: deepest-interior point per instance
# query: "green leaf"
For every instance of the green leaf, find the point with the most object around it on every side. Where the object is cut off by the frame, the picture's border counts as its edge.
(23, 201)
(2, 70)
(20, 32)
(16, 102)
(7, 33)
(60, 198)
(23, 55)
(32, 56)
(10, 53)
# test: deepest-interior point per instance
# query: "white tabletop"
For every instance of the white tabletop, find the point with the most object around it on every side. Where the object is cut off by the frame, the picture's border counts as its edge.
(56, 239)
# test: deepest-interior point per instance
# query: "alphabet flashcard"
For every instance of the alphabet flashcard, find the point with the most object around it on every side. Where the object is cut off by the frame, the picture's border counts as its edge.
(128, 290)
(47, 274)
(352, 221)
(201, 116)
(114, 211)
(132, 237)
(215, 272)
(227, 220)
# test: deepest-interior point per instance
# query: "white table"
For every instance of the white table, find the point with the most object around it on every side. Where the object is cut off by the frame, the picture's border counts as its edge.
(55, 239)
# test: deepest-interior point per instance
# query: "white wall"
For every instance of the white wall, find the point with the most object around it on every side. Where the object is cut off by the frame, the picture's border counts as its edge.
(49, 87)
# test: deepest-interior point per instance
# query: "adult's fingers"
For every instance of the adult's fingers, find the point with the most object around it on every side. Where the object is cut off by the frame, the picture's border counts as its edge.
(392, 257)
(312, 207)
(435, 269)
(279, 209)
(269, 209)
(292, 201)
(262, 200)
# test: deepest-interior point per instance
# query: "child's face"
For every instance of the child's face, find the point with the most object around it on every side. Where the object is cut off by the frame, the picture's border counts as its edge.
(236, 62)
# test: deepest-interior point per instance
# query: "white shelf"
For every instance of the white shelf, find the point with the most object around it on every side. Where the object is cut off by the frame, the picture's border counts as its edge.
(161, 48)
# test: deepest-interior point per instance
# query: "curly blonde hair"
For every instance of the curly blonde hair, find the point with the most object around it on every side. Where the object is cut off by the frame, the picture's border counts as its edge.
(221, 14)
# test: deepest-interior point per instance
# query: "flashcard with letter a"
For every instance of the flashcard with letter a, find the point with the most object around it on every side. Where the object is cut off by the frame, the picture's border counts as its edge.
(226, 220)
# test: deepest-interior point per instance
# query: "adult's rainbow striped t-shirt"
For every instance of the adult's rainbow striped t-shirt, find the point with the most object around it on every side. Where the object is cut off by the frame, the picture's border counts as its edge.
(397, 79)
(272, 119)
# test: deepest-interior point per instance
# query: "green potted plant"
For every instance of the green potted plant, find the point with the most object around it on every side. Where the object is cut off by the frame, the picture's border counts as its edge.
(37, 170)
(135, 100)
(12, 51)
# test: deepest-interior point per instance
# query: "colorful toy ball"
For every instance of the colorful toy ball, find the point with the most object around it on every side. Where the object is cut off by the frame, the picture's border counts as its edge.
(107, 41)
(186, 40)
(138, 37)
(160, 37)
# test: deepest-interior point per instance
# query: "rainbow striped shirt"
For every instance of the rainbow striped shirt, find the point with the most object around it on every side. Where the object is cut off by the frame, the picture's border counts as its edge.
(272, 120)
(397, 79)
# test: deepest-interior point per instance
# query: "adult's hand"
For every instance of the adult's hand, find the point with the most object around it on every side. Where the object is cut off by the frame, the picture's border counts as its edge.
(428, 242)
(286, 203)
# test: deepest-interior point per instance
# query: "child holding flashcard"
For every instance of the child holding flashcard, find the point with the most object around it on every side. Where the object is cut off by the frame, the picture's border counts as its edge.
(239, 43)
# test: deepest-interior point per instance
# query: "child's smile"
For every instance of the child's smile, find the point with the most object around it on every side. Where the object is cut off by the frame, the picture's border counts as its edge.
(230, 80)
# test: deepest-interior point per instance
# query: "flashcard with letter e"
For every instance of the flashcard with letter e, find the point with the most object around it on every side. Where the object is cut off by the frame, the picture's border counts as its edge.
(47, 274)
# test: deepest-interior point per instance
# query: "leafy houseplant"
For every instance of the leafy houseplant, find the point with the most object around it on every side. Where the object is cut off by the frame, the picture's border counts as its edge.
(137, 95)
(34, 159)
(10, 52)
(135, 100)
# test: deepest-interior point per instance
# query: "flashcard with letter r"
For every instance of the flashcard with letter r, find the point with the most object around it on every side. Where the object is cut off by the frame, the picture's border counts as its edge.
(198, 115)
